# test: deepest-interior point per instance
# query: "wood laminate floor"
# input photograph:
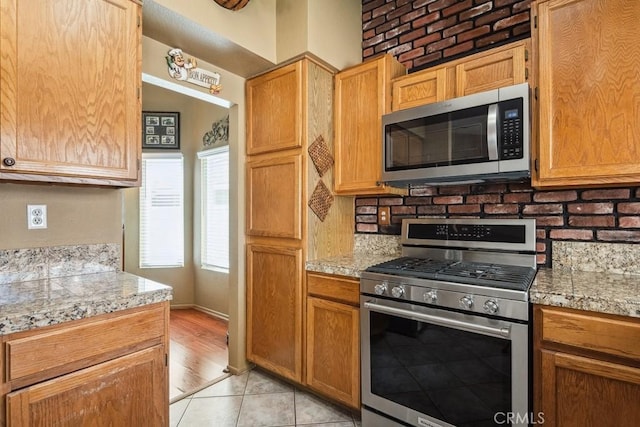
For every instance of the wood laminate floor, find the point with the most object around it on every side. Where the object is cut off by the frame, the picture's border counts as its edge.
(198, 350)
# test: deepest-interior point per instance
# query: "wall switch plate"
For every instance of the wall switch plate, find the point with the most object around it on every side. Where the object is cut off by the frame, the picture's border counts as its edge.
(384, 215)
(36, 216)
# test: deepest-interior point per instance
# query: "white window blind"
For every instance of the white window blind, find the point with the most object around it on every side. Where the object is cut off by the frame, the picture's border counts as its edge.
(215, 208)
(162, 211)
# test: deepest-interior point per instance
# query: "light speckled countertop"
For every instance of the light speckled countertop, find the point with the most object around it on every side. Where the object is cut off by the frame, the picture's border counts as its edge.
(602, 292)
(31, 304)
(347, 265)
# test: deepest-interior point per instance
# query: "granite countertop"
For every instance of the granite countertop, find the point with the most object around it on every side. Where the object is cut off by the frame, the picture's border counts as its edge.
(350, 265)
(601, 292)
(36, 303)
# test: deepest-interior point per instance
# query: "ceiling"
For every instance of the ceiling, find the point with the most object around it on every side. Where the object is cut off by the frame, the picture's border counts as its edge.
(174, 30)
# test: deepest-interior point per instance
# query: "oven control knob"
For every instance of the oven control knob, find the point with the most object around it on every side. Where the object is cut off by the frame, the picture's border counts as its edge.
(431, 296)
(380, 288)
(466, 302)
(397, 292)
(491, 306)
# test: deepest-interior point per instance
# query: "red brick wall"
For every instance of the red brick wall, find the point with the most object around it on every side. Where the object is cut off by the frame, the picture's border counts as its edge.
(422, 33)
(604, 215)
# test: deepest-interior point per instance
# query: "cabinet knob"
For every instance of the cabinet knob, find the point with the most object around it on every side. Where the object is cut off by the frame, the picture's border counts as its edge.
(9, 161)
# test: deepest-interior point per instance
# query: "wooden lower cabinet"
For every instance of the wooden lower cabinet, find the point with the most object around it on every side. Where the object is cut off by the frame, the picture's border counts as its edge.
(333, 338)
(106, 370)
(127, 391)
(586, 368)
(274, 309)
(583, 391)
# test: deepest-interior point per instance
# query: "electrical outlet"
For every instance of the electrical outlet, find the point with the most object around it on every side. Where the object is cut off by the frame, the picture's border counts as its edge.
(384, 215)
(36, 216)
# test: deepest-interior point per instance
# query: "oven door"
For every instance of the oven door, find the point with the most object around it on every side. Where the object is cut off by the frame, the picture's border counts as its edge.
(431, 367)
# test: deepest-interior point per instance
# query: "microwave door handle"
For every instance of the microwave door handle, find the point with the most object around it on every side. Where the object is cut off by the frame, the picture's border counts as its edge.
(492, 132)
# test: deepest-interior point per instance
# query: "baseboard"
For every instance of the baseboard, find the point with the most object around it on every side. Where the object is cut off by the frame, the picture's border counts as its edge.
(210, 312)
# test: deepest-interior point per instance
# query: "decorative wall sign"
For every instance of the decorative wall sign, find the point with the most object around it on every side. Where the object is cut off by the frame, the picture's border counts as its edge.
(219, 133)
(160, 130)
(187, 70)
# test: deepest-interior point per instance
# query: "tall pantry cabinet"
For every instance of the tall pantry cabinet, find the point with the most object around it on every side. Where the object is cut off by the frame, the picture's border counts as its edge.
(288, 109)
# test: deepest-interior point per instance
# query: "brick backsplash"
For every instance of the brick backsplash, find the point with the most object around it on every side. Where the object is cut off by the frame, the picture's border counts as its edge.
(603, 215)
(423, 33)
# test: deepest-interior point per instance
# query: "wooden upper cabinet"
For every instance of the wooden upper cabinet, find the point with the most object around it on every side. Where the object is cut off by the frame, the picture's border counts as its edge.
(362, 96)
(274, 197)
(69, 91)
(275, 110)
(499, 67)
(420, 88)
(588, 57)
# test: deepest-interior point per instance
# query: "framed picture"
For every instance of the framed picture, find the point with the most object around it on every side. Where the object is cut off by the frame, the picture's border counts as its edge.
(160, 130)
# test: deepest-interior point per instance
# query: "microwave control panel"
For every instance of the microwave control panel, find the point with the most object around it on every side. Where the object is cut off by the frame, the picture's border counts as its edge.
(511, 144)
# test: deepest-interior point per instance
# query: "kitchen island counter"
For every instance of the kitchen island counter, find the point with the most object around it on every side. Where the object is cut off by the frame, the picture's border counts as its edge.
(31, 304)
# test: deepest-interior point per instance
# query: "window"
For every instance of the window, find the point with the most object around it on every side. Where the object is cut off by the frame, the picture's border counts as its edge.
(161, 211)
(215, 208)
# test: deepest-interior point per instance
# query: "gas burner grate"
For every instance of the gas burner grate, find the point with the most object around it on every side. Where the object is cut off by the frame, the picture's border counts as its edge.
(481, 274)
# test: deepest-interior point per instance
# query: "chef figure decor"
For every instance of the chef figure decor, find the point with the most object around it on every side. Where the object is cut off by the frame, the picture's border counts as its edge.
(187, 70)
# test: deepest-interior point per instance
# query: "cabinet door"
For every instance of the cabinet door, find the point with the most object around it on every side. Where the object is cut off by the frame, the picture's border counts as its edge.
(424, 87)
(492, 71)
(274, 197)
(579, 391)
(274, 110)
(69, 89)
(274, 309)
(333, 350)
(362, 96)
(589, 92)
(127, 391)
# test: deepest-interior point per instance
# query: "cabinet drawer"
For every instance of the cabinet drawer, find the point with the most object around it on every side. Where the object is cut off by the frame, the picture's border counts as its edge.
(39, 355)
(617, 336)
(334, 287)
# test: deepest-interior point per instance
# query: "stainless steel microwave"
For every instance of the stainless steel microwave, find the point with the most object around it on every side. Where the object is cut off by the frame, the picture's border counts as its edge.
(471, 139)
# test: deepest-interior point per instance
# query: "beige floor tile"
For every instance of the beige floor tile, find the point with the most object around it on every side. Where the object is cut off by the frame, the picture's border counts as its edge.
(235, 385)
(272, 409)
(260, 382)
(220, 411)
(313, 410)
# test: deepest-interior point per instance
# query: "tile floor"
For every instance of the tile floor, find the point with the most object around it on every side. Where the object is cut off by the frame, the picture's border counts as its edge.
(257, 399)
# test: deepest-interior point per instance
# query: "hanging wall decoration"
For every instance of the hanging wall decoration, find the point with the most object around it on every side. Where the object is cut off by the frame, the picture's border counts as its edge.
(232, 4)
(160, 130)
(187, 70)
(321, 200)
(219, 133)
(320, 155)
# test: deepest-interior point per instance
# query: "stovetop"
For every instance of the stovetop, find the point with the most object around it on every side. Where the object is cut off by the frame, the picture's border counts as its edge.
(511, 277)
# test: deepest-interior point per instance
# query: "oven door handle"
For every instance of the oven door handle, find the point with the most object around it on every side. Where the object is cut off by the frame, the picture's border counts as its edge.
(440, 321)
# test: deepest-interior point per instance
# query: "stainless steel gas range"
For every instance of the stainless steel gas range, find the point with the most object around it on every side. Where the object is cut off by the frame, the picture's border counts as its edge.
(445, 335)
